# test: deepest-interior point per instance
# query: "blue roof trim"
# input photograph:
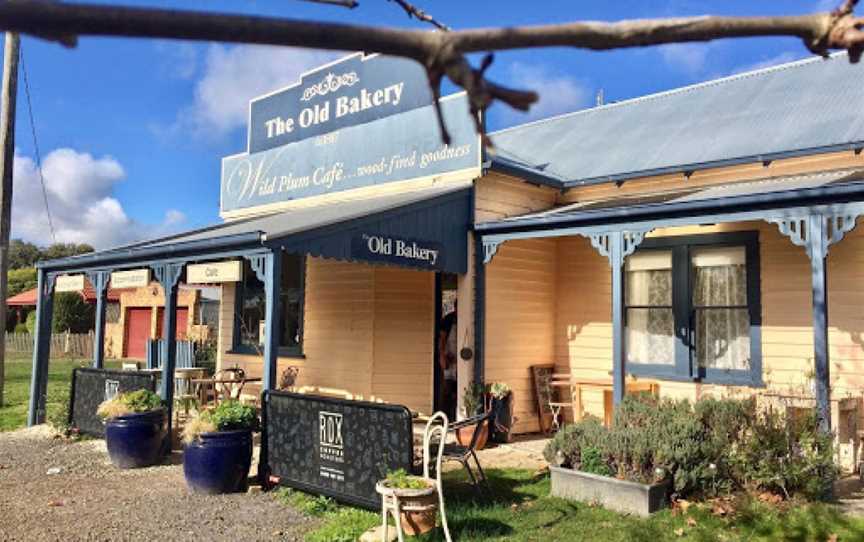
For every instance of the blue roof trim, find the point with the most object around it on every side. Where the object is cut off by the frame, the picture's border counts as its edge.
(136, 253)
(686, 168)
(525, 172)
(841, 193)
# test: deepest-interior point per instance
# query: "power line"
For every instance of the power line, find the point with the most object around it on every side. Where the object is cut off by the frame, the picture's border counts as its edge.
(36, 144)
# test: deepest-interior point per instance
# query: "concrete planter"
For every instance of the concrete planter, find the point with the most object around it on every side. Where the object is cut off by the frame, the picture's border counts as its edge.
(619, 495)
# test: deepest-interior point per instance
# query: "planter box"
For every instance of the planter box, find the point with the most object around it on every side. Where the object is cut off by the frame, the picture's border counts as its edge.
(618, 495)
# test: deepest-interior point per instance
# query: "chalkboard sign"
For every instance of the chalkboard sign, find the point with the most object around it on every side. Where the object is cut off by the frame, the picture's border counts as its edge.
(92, 386)
(334, 447)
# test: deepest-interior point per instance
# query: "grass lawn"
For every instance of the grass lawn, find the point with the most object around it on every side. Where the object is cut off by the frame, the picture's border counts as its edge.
(521, 509)
(13, 414)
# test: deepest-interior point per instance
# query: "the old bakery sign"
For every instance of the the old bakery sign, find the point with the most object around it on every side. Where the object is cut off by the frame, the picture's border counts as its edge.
(358, 122)
(398, 250)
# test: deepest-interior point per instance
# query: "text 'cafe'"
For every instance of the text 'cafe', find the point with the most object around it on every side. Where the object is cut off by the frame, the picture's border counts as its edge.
(700, 241)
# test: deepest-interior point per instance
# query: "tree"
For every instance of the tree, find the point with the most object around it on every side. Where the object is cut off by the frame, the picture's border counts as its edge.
(64, 250)
(22, 254)
(72, 313)
(21, 280)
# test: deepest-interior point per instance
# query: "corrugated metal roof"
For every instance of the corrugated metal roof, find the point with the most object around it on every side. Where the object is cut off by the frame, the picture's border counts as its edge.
(766, 189)
(800, 107)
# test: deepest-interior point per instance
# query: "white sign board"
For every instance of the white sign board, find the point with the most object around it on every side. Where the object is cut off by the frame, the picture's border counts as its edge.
(136, 278)
(209, 273)
(69, 283)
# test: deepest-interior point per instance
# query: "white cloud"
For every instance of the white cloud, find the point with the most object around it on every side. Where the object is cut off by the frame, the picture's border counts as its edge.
(234, 74)
(177, 59)
(80, 197)
(690, 58)
(558, 93)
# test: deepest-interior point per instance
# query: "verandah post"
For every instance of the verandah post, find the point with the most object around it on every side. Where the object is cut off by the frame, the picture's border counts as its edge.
(168, 275)
(41, 348)
(272, 282)
(479, 309)
(616, 259)
(818, 251)
(100, 280)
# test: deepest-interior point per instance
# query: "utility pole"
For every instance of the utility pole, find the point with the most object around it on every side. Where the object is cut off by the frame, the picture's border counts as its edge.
(7, 148)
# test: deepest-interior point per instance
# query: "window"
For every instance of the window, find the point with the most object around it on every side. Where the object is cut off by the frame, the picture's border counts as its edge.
(692, 309)
(251, 305)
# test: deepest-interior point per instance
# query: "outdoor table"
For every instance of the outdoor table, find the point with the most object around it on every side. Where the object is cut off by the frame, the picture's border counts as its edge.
(223, 386)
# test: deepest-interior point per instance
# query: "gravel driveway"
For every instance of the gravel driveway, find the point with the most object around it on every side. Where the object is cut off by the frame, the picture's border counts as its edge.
(89, 499)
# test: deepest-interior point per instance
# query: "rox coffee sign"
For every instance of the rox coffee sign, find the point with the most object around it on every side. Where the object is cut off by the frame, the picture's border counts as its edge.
(363, 121)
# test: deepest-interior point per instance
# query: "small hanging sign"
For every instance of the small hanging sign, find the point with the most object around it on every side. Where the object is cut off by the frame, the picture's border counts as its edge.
(209, 273)
(135, 278)
(69, 283)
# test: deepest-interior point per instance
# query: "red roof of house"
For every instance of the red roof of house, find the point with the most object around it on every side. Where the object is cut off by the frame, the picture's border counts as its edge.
(28, 297)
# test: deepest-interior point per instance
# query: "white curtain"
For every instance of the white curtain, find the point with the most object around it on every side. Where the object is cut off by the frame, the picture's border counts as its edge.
(722, 334)
(650, 322)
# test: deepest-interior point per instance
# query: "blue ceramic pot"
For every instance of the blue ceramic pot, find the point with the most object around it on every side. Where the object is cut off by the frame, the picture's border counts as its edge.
(218, 462)
(136, 440)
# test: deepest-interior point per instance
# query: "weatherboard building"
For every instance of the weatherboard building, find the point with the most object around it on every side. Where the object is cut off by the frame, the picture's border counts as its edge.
(702, 241)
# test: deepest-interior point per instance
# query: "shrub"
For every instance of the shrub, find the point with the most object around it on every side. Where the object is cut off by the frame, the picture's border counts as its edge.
(21, 327)
(129, 403)
(788, 455)
(72, 313)
(31, 322)
(230, 415)
(705, 448)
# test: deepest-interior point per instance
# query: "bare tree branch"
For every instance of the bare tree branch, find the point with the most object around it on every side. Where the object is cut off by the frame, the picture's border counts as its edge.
(441, 53)
(420, 15)
(350, 4)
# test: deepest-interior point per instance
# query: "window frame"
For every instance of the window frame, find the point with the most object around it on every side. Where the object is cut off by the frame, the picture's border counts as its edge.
(685, 368)
(283, 351)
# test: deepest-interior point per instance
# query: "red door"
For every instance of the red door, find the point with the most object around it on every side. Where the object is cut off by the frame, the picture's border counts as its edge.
(182, 322)
(137, 333)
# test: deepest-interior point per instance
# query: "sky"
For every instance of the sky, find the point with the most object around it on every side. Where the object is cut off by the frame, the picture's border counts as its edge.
(131, 131)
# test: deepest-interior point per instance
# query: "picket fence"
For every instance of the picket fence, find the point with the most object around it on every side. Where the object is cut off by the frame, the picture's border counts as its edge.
(73, 345)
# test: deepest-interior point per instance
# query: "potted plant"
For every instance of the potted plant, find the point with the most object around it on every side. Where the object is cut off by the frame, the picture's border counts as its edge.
(501, 403)
(473, 403)
(418, 498)
(135, 428)
(218, 449)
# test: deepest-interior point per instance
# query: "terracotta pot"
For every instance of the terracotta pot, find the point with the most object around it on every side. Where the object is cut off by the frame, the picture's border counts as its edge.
(463, 436)
(422, 520)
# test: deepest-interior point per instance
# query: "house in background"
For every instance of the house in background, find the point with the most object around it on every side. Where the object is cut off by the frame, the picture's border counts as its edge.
(135, 315)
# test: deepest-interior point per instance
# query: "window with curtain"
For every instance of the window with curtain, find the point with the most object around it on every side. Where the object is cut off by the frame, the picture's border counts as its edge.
(251, 306)
(650, 321)
(692, 308)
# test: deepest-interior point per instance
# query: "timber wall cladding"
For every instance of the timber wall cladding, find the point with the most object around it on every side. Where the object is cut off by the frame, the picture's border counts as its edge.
(498, 196)
(368, 333)
(521, 296)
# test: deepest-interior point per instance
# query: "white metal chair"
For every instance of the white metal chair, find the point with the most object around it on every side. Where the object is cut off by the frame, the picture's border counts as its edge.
(390, 503)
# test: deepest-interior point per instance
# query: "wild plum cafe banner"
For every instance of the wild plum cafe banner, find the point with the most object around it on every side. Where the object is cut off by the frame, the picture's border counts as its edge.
(352, 91)
(395, 148)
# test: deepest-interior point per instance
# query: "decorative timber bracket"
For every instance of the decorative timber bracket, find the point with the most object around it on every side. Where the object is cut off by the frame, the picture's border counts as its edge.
(258, 263)
(490, 248)
(816, 232)
(50, 280)
(603, 242)
(99, 280)
(168, 274)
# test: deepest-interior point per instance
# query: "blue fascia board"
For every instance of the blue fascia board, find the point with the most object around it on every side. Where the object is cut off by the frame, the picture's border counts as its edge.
(853, 191)
(148, 254)
(526, 173)
(687, 168)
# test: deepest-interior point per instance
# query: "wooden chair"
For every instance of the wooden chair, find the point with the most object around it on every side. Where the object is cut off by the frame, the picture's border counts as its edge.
(562, 393)
(225, 384)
